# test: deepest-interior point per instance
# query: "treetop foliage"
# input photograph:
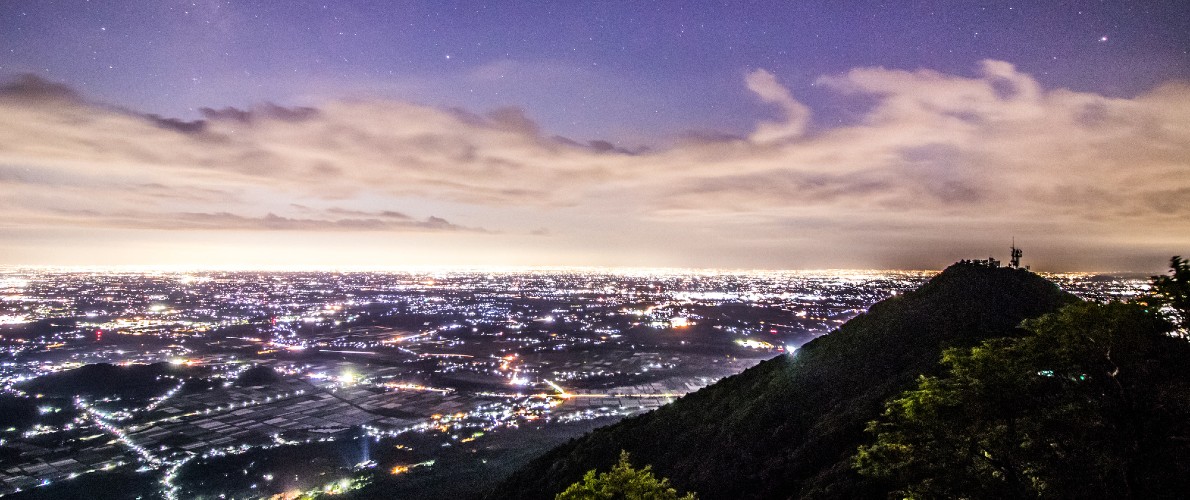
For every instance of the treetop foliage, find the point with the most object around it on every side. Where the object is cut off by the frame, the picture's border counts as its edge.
(1172, 292)
(622, 483)
(1094, 403)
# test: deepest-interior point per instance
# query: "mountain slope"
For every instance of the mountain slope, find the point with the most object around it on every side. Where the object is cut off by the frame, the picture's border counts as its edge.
(787, 427)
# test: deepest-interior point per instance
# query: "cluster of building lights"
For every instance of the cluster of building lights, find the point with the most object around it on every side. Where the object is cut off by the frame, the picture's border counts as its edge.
(514, 327)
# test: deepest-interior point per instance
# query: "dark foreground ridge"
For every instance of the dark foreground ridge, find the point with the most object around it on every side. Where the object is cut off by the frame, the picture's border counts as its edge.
(788, 426)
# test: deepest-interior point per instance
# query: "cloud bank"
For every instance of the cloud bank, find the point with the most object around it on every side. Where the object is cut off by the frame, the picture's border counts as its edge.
(939, 166)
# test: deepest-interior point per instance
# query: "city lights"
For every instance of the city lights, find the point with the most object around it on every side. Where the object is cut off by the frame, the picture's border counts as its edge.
(239, 363)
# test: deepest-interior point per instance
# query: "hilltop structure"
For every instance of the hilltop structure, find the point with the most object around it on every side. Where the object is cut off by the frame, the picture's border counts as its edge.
(993, 263)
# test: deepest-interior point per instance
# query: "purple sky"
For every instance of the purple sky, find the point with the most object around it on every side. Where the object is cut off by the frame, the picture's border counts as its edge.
(733, 134)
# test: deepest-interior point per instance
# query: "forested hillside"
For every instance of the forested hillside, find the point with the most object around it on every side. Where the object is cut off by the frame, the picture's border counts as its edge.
(791, 425)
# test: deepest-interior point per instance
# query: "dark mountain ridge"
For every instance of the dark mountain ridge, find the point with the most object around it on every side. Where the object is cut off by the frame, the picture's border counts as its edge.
(788, 426)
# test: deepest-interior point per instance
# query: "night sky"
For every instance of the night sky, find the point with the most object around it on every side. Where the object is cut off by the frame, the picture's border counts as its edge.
(693, 134)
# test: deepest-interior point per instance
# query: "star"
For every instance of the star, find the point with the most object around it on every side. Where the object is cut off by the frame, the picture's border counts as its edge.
(1103, 39)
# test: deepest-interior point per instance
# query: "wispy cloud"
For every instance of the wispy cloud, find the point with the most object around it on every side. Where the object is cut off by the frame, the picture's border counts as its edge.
(971, 158)
(797, 115)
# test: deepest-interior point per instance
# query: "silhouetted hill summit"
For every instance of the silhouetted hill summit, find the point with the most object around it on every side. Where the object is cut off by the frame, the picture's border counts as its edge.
(788, 426)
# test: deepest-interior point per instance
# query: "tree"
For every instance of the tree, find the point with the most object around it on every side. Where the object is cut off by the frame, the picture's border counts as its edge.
(622, 482)
(1172, 291)
(1095, 403)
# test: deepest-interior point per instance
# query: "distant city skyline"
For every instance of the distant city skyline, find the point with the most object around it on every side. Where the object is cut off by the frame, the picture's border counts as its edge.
(691, 135)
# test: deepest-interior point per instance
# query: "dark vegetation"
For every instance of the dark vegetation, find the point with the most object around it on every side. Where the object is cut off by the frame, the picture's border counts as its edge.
(107, 380)
(1094, 404)
(789, 426)
(257, 376)
(17, 412)
(39, 329)
(115, 485)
